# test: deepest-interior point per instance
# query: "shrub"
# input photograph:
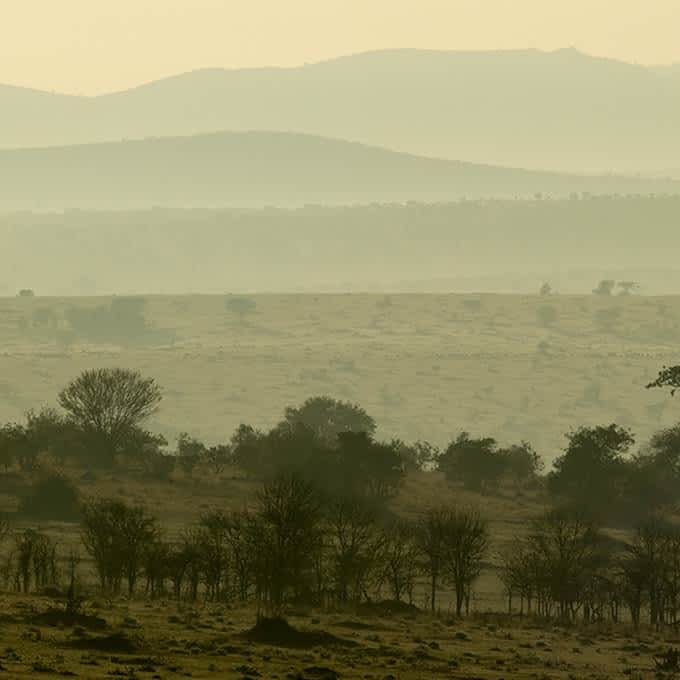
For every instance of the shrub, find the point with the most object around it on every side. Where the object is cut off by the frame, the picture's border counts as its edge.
(52, 498)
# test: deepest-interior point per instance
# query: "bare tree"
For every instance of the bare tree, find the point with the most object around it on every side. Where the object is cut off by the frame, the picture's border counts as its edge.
(467, 541)
(352, 547)
(116, 536)
(400, 560)
(288, 528)
(431, 535)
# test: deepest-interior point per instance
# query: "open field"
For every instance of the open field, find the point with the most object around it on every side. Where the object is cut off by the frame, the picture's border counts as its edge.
(158, 639)
(425, 366)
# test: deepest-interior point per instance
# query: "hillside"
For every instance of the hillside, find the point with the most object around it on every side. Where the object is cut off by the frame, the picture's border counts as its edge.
(558, 110)
(508, 246)
(267, 168)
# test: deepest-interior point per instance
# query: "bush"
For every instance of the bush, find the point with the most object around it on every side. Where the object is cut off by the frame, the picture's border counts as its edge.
(52, 498)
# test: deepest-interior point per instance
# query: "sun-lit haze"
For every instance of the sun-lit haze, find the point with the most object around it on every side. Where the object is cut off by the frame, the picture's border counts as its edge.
(86, 47)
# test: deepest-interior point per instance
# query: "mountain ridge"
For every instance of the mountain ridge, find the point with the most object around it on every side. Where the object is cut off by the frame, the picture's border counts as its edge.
(560, 110)
(258, 168)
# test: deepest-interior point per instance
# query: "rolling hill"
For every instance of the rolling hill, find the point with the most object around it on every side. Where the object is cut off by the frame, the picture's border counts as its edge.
(267, 168)
(556, 110)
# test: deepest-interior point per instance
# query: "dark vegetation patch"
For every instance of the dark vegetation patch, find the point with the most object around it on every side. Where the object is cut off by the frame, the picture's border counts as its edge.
(278, 632)
(62, 617)
(387, 608)
(357, 625)
(116, 642)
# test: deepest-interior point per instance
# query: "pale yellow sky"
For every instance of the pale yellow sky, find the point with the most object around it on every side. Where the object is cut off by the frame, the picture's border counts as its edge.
(93, 46)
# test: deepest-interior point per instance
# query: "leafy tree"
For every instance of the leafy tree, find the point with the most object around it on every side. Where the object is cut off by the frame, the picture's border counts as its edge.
(190, 451)
(421, 455)
(109, 404)
(475, 462)
(522, 462)
(590, 471)
(13, 441)
(249, 450)
(217, 458)
(366, 467)
(653, 479)
(327, 418)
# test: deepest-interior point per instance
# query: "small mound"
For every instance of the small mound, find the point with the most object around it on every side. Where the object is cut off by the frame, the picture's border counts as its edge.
(62, 617)
(279, 633)
(116, 642)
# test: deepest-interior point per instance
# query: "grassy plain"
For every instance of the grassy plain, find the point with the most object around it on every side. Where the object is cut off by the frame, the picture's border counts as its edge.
(425, 366)
(159, 639)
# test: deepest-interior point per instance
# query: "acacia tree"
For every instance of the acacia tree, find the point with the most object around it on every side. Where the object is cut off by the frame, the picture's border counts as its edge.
(109, 404)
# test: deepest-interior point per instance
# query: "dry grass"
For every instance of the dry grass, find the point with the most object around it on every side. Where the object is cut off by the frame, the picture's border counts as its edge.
(163, 640)
(425, 366)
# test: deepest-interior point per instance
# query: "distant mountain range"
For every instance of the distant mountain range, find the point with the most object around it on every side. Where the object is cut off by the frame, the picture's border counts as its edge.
(558, 110)
(268, 168)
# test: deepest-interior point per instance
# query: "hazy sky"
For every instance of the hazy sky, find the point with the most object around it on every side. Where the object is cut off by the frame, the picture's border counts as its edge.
(91, 46)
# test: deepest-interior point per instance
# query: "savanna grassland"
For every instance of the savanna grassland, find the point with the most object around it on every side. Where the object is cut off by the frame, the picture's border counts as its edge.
(424, 366)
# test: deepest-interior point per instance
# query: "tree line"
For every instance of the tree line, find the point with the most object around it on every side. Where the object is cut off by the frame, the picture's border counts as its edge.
(320, 530)
(295, 544)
